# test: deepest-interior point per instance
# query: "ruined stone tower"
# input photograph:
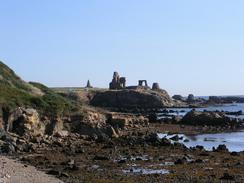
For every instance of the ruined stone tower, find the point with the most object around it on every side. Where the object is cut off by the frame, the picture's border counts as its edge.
(117, 82)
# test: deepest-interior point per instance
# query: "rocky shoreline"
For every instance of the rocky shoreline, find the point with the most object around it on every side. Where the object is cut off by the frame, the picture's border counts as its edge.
(104, 136)
(137, 155)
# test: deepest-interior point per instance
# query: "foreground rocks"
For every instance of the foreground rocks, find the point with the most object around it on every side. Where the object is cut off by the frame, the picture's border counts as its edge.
(80, 158)
(120, 159)
(207, 118)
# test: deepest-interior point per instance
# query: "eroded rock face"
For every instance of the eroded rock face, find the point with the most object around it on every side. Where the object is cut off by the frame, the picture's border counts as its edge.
(206, 118)
(25, 120)
(123, 121)
(100, 124)
(129, 99)
(92, 123)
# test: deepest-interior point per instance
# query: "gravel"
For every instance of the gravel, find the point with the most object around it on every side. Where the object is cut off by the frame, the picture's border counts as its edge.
(12, 171)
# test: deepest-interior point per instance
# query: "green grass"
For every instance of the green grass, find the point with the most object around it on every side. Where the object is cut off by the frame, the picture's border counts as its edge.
(13, 97)
(10, 78)
(51, 102)
(16, 93)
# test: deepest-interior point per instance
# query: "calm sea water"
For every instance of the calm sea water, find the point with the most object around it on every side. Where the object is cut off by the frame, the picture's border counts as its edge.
(234, 140)
(225, 107)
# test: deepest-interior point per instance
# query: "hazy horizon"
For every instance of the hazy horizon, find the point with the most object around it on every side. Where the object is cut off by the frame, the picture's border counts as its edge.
(186, 46)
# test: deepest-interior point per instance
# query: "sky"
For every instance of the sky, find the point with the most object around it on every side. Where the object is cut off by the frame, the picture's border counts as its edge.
(187, 46)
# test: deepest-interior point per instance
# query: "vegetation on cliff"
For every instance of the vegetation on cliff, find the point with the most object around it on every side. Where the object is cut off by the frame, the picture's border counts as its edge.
(14, 92)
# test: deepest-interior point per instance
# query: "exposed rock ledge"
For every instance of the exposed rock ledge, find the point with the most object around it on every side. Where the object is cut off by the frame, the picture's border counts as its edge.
(28, 123)
(207, 118)
(128, 99)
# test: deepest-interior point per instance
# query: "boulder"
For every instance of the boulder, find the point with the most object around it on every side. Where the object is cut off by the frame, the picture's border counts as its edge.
(190, 98)
(222, 148)
(62, 133)
(178, 97)
(25, 120)
(206, 118)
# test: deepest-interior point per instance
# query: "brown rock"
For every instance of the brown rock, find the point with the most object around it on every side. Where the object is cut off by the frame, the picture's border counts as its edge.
(25, 120)
(205, 118)
(132, 99)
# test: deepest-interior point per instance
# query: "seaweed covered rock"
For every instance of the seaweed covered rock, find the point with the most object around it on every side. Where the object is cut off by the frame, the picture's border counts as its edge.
(206, 118)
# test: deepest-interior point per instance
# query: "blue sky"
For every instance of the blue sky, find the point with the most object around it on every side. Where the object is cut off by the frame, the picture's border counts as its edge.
(190, 46)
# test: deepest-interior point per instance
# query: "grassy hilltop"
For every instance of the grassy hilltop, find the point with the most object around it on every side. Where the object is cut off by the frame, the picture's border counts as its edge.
(15, 92)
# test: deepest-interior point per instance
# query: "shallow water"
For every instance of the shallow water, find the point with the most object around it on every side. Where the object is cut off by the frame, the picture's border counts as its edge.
(234, 141)
(142, 171)
(225, 107)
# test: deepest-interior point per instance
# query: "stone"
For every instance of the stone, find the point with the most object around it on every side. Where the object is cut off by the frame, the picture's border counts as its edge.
(100, 158)
(178, 97)
(62, 133)
(190, 98)
(142, 83)
(25, 120)
(122, 121)
(181, 161)
(132, 99)
(222, 148)
(175, 138)
(206, 118)
(235, 154)
(199, 161)
(227, 177)
(155, 86)
(55, 126)
(117, 82)
(88, 85)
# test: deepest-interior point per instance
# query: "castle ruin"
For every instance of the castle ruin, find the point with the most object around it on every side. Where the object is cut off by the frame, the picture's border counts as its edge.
(119, 83)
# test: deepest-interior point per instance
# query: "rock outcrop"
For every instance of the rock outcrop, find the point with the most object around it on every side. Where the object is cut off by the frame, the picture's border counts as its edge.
(206, 118)
(190, 98)
(223, 100)
(131, 99)
(25, 121)
(123, 121)
(178, 97)
(100, 124)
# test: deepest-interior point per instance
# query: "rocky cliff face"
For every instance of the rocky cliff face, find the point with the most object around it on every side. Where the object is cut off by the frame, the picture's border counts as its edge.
(34, 110)
(110, 124)
(142, 99)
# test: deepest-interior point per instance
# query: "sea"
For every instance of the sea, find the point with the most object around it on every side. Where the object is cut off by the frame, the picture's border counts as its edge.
(233, 107)
(234, 141)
